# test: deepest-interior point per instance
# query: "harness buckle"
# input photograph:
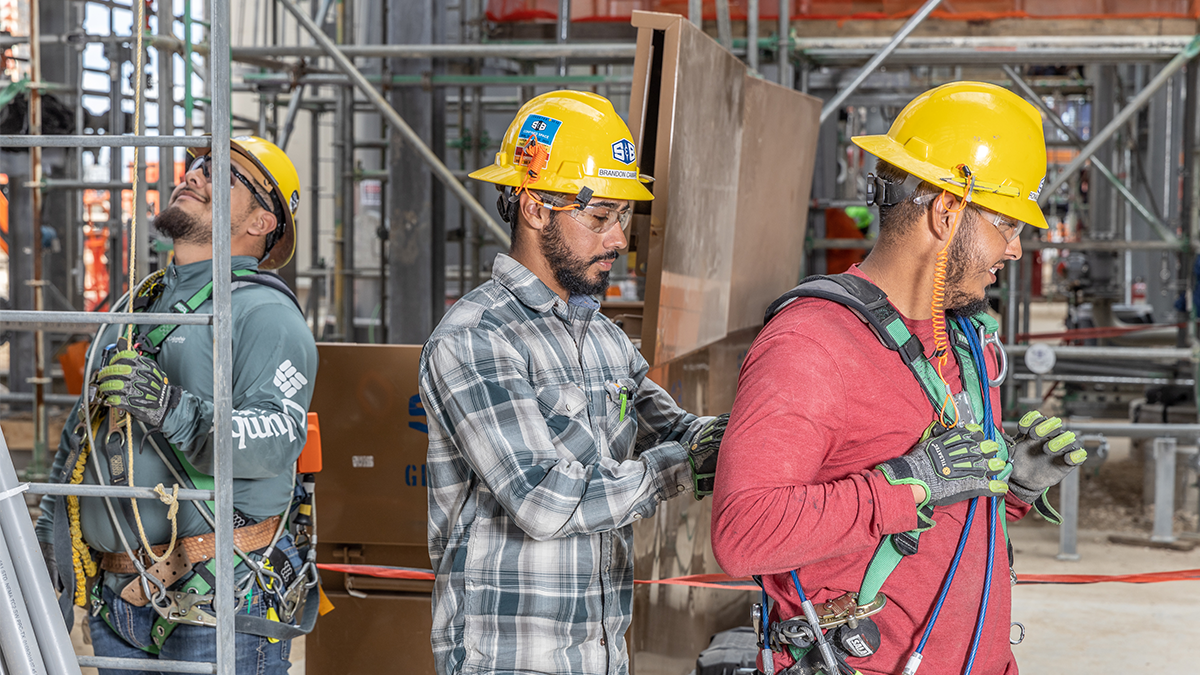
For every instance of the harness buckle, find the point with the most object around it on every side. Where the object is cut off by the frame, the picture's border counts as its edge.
(184, 609)
(905, 543)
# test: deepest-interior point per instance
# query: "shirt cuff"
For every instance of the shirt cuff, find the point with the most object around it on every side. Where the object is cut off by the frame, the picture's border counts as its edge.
(669, 464)
(897, 511)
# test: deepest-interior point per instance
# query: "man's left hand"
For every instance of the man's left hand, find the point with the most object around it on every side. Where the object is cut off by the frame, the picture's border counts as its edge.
(702, 456)
(1042, 454)
(135, 384)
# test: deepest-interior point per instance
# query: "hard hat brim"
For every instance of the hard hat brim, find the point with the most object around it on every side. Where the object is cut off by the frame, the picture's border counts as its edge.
(609, 188)
(886, 148)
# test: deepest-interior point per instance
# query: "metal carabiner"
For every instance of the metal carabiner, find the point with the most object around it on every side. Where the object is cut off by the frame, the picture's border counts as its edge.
(1021, 637)
(1001, 356)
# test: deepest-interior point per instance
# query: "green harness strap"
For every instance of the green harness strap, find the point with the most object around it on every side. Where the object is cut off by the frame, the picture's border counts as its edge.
(871, 305)
(159, 334)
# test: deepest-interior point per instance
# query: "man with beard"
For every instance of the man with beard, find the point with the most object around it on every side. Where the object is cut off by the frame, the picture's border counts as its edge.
(863, 444)
(546, 439)
(162, 382)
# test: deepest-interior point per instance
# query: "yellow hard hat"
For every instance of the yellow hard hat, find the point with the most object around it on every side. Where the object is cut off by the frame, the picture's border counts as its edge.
(581, 143)
(971, 130)
(276, 176)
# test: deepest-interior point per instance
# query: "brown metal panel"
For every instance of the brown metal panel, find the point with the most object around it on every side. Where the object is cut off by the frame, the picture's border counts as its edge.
(381, 633)
(372, 489)
(779, 146)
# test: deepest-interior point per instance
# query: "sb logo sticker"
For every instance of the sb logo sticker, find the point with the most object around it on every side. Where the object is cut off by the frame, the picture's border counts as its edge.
(623, 151)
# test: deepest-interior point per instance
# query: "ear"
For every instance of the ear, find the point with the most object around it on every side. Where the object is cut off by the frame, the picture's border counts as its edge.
(942, 216)
(533, 214)
(264, 223)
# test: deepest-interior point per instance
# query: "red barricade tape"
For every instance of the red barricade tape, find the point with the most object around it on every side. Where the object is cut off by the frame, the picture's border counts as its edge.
(722, 581)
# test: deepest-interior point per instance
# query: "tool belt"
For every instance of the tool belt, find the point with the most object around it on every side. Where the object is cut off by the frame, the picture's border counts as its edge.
(198, 549)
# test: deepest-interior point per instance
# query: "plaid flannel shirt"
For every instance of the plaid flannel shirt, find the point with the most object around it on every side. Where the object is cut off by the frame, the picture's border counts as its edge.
(546, 442)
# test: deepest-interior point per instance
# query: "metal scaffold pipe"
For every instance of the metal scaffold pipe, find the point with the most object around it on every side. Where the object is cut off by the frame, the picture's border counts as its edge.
(1031, 95)
(836, 102)
(1130, 109)
(435, 165)
(517, 51)
(103, 141)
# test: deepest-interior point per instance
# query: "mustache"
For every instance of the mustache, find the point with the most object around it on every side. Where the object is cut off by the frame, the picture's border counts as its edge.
(611, 255)
(195, 195)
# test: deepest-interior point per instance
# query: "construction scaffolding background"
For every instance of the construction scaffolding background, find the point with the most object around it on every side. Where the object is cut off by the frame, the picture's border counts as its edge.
(385, 106)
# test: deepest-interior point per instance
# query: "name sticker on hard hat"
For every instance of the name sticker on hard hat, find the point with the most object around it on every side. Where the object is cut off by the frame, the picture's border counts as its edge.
(624, 152)
(544, 129)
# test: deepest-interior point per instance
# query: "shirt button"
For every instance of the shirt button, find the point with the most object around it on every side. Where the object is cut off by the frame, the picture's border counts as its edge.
(637, 516)
(682, 488)
(603, 642)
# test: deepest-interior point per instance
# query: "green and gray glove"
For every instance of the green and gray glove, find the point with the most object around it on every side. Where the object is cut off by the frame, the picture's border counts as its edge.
(702, 456)
(953, 465)
(1042, 454)
(135, 384)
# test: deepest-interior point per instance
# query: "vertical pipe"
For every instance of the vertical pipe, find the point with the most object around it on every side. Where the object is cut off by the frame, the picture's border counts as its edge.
(752, 11)
(40, 434)
(220, 91)
(1187, 203)
(20, 542)
(785, 37)
(188, 102)
(17, 641)
(1164, 490)
(724, 26)
(166, 101)
(1068, 506)
(339, 197)
(564, 29)
(696, 12)
(349, 189)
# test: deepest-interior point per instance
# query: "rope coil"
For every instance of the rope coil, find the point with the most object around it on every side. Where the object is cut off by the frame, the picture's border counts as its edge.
(941, 341)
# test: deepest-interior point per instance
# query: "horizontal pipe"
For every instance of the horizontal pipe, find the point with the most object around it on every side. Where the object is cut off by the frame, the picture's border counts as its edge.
(1028, 245)
(139, 664)
(103, 141)
(521, 51)
(27, 320)
(1124, 429)
(86, 490)
(53, 184)
(441, 80)
(1104, 379)
(991, 50)
(27, 397)
(1135, 353)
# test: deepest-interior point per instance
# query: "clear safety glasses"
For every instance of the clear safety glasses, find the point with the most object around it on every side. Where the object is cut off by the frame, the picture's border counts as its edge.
(597, 218)
(204, 163)
(1010, 228)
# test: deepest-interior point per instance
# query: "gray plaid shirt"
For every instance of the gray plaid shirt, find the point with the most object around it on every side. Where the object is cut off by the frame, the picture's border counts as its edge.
(546, 442)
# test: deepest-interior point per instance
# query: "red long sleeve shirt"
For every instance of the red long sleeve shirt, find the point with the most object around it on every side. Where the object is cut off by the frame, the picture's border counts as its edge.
(820, 403)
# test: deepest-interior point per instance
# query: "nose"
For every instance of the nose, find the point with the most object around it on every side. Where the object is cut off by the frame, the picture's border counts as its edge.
(195, 177)
(1013, 250)
(615, 239)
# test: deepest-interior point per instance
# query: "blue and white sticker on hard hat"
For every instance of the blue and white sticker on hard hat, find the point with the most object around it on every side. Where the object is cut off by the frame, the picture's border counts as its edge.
(624, 152)
(544, 129)
(1035, 194)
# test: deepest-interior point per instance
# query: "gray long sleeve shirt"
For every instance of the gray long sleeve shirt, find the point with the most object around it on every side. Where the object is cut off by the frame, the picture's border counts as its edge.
(274, 367)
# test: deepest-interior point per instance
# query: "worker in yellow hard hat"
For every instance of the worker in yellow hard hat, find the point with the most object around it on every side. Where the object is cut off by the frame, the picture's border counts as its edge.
(135, 565)
(868, 411)
(546, 439)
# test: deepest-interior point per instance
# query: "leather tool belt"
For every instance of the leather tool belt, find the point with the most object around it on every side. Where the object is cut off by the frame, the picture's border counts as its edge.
(189, 551)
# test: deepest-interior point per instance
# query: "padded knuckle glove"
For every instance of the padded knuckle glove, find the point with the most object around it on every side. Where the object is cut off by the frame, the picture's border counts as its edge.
(1042, 454)
(135, 384)
(953, 465)
(702, 455)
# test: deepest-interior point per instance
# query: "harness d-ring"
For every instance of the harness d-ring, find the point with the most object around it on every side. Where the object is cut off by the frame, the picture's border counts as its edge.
(1001, 357)
(1021, 637)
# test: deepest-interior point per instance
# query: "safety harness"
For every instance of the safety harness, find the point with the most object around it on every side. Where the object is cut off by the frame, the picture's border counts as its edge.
(176, 587)
(857, 635)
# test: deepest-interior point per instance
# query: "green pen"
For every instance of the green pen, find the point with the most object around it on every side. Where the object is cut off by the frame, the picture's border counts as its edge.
(624, 402)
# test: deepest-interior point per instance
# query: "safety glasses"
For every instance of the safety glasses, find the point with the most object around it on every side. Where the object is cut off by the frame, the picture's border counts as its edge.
(597, 218)
(1010, 228)
(204, 163)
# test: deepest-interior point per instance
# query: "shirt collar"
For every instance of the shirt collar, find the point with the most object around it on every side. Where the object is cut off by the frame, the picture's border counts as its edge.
(530, 290)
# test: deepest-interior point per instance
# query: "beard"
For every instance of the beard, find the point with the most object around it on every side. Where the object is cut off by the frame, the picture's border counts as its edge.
(569, 270)
(180, 226)
(959, 264)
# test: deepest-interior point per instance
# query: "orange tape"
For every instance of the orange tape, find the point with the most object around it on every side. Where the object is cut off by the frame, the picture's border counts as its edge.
(726, 582)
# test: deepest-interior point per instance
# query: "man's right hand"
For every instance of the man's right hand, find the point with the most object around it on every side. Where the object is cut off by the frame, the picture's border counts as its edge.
(950, 465)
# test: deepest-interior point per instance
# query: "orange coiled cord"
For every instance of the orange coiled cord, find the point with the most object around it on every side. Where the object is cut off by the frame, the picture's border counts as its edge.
(941, 341)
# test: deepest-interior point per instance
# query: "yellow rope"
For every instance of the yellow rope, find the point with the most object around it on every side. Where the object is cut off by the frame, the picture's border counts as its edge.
(83, 565)
(139, 93)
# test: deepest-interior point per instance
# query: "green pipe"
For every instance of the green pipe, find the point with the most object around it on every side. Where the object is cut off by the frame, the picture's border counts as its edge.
(474, 80)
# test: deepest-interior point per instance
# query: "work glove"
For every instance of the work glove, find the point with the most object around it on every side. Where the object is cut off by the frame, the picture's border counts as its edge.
(953, 465)
(135, 384)
(51, 565)
(1042, 454)
(702, 456)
